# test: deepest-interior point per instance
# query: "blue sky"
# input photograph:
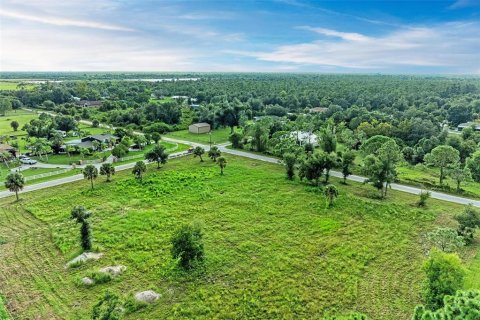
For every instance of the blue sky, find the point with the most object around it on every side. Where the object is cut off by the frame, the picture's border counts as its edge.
(423, 37)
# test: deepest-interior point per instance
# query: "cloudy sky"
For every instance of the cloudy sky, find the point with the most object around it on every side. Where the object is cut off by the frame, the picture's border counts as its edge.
(245, 35)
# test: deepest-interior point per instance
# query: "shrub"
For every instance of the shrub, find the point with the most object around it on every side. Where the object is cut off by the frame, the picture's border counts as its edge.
(187, 246)
(469, 221)
(108, 308)
(444, 273)
(445, 239)
(464, 305)
(424, 196)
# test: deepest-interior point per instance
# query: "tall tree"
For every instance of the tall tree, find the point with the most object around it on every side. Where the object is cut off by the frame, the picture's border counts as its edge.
(157, 154)
(15, 182)
(108, 170)
(442, 156)
(346, 162)
(289, 160)
(90, 172)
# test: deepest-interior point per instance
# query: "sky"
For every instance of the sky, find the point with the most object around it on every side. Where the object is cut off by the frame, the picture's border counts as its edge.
(389, 37)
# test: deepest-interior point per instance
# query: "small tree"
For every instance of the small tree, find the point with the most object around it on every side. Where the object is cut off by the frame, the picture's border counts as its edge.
(187, 246)
(108, 308)
(198, 152)
(119, 151)
(80, 214)
(236, 140)
(107, 169)
(444, 274)
(156, 137)
(90, 172)
(331, 193)
(14, 124)
(469, 221)
(445, 239)
(157, 154)
(424, 196)
(15, 182)
(95, 123)
(222, 163)
(289, 160)
(346, 161)
(214, 153)
(139, 169)
(459, 175)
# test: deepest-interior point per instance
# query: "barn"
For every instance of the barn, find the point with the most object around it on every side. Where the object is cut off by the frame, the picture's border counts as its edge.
(199, 128)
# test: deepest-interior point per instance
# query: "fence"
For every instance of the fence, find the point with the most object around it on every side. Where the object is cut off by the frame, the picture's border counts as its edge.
(46, 174)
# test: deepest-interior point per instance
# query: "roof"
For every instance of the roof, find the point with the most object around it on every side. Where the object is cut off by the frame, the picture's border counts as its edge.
(318, 109)
(106, 136)
(469, 124)
(5, 147)
(201, 125)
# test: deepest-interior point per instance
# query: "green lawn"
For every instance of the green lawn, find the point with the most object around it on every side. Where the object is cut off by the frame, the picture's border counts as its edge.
(273, 251)
(74, 158)
(12, 85)
(21, 116)
(218, 136)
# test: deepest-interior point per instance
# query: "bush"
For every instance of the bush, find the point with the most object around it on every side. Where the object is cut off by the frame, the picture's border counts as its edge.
(424, 196)
(108, 308)
(187, 246)
(464, 305)
(236, 140)
(444, 273)
(469, 221)
(445, 239)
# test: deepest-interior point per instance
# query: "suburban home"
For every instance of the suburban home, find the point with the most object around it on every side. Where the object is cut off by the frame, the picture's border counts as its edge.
(8, 148)
(89, 103)
(199, 128)
(475, 126)
(303, 137)
(89, 141)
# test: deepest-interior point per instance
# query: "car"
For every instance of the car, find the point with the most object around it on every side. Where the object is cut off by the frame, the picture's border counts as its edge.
(27, 160)
(22, 157)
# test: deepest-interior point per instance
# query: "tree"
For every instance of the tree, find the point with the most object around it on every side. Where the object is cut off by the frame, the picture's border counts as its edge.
(464, 305)
(236, 140)
(442, 157)
(14, 124)
(107, 169)
(328, 140)
(474, 165)
(108, 308)
(119, 151)
(90, 172)
(5, 105)
(444, 273)
(157, 154)
(214, 153)
(469, 221)
(80, 214)
(139, 169)
(156, 137)
(424, 196)
(313, 167)
(445, 239)
(329, 161)
(15, 182)
(222, 163)
(187, 246)
(331, 192)
(95, 123)
(346, 161)
(460, 174)
(140, 141)
(289, 160)
(198, 152)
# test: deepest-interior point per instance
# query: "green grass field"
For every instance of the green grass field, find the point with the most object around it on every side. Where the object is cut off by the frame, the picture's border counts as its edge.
(218, 136)
(273, 251)
(13, 85)
(21, 116)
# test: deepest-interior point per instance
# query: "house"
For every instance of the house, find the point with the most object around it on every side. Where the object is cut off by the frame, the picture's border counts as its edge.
(318, 110)
(475, 126)
(89, 141)
(199, 128)
(304, 137)
(89, 103)
(8, 148)
(62, 132)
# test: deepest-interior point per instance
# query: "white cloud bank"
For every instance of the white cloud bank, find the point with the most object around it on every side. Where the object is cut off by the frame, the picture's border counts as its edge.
(454, 46)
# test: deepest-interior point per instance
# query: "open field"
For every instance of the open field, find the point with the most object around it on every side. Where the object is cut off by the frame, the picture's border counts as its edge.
(272, 249)
(218, 136)
(13, 85)
(21, 116)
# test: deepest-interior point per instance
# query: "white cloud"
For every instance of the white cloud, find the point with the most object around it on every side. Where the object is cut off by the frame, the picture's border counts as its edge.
(452, 45)
(464, 3)
(60, 21)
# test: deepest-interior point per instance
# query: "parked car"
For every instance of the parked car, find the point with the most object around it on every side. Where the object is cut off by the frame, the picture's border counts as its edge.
(26, 160)
(23, 157)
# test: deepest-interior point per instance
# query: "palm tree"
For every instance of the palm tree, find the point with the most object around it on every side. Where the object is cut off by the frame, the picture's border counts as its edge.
(331, 193)
(157, 154)
(5, 157)
(90, 172)
(198, 152)
(139, 169)
(222, 163)
(214, 153)
(15, 182)
(107, 169)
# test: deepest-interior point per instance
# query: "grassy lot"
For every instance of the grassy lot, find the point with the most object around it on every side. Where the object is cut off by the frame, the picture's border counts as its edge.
(272, 248)
(218, 136)
(21, 116)
(12, 85)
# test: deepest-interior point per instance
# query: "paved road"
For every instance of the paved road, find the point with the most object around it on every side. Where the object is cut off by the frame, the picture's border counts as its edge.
(222, 147)
(77, 177)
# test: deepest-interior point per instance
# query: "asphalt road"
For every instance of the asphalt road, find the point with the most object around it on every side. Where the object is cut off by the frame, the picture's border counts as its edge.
(222, 147)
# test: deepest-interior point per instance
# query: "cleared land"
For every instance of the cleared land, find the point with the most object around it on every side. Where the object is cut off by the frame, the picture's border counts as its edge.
(272, 249)
(218, 136)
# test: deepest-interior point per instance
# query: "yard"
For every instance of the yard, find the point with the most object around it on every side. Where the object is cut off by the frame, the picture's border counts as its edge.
(218, 136)
(272, 248)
